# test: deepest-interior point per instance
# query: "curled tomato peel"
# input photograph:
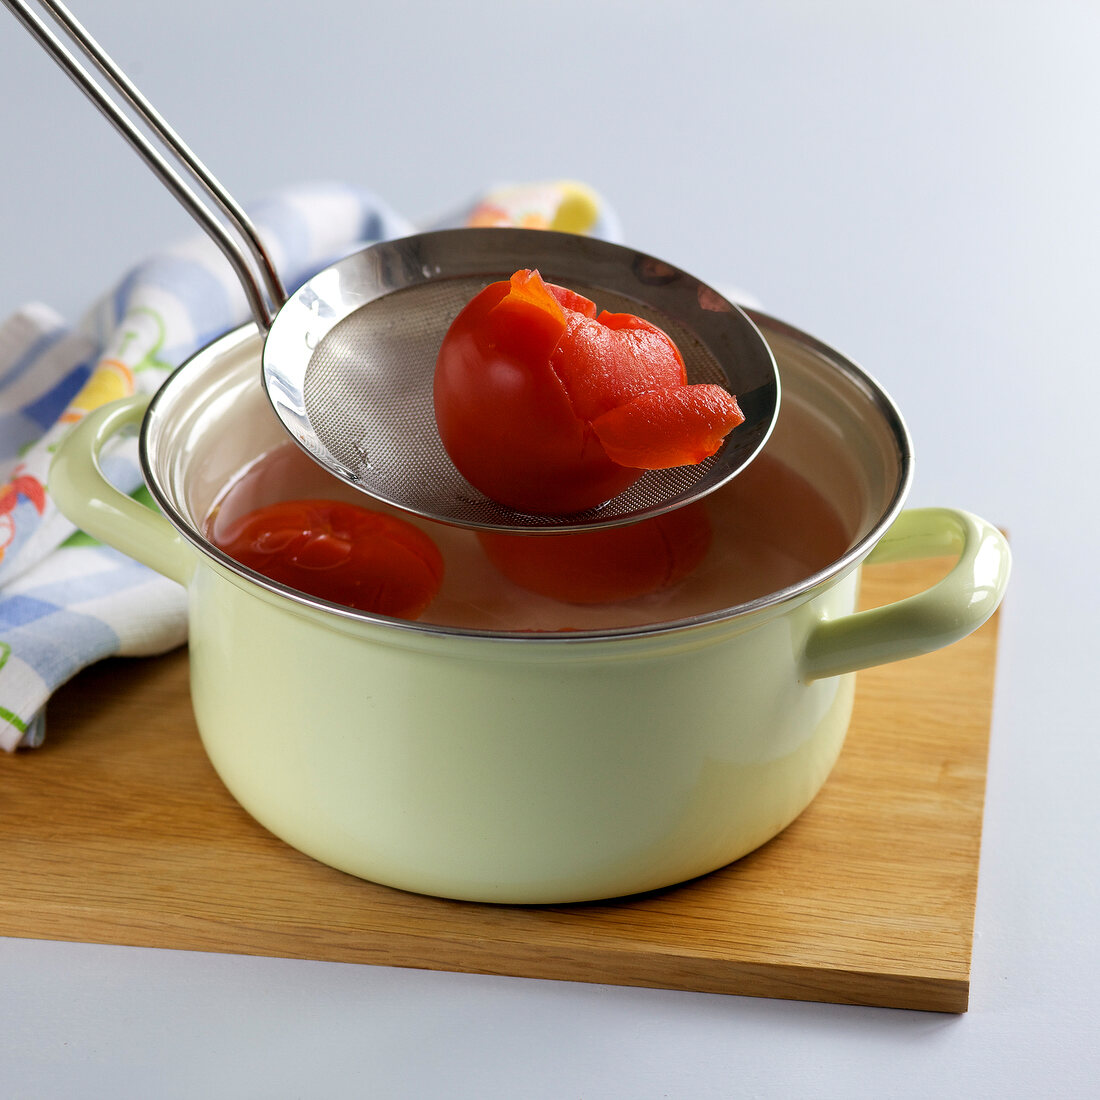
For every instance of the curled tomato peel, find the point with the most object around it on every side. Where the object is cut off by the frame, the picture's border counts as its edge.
(525, 320)
(606, 360)
(662, 429)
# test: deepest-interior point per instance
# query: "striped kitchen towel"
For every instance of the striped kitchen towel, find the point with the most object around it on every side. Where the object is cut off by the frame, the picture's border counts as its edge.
(67, 601)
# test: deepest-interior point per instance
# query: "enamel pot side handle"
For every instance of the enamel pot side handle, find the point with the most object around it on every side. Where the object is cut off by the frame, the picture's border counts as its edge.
(945, 613)
(85, 496)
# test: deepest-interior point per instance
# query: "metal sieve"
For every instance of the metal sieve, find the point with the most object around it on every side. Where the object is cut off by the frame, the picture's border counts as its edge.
(349, 358)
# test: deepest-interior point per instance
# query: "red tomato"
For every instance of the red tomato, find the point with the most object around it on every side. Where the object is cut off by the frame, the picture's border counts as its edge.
(605, 566)
(527, 375)
(341, 553)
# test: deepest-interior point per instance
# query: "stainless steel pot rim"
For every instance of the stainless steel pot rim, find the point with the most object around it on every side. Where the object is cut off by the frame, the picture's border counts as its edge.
(871, 389)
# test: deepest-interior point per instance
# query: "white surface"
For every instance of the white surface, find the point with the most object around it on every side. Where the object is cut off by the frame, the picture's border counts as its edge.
(915, 183)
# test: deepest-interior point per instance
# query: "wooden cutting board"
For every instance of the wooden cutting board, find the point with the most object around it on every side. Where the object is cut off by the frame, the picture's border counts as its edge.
(119, 831)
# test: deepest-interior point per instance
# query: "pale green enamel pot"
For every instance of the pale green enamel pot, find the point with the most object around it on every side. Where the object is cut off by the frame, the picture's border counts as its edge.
(531, 768)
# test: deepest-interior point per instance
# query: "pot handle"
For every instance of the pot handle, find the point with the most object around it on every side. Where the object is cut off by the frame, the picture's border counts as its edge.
(947, 612)
(85, 496)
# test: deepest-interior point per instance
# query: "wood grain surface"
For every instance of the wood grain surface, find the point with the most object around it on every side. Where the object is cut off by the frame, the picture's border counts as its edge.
(118, 831)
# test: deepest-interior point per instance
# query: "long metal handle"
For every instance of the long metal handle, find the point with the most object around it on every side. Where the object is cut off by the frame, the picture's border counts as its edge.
(258, 282)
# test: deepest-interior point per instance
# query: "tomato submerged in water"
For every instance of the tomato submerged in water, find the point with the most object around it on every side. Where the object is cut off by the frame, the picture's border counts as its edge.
(547, 407)
(340, 552)
(607, 565)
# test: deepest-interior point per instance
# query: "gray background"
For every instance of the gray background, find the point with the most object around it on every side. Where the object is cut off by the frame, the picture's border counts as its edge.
(913, 182)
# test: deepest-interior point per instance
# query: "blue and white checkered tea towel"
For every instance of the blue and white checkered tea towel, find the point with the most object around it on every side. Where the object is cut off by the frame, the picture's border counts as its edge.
(67, 601)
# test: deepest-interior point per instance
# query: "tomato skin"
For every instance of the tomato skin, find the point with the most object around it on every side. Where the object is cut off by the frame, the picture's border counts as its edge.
(606, 360)
(607, 565)
(340, 552)
(526, 374)
(664, 428)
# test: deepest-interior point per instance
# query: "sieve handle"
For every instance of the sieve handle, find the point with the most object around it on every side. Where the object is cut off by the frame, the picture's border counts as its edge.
(258, 280)
(945, 613)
